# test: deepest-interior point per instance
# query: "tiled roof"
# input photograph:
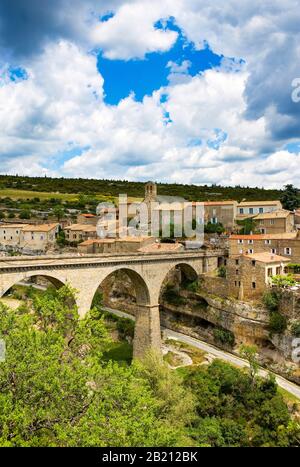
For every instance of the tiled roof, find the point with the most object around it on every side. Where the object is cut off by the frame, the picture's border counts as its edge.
(153, 247)
(266, 257)
(133, 239)
(218, 203)
(98, 241)
(12, 226)
(259, 203)
(40, 228)
(82, 227)
(276, 236)
(279, 214)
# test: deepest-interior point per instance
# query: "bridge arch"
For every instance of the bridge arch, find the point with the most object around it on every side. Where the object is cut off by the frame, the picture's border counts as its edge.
(147, 323)
(185, 272)
(14, 279)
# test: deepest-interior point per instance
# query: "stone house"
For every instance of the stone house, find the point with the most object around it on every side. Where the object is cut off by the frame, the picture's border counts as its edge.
(276, 222)
(249, 275)
(10, 234)
(80, 232)
(114, 245)
(38, 237)
(285, 244)
(223, 212)
(246, 209)
(87, 218)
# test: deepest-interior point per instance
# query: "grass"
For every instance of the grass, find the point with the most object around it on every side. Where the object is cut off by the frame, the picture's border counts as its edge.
(172, 359)
(24, 194)
(120, 352)
(45, 195)
(197, 355)
(291, 398)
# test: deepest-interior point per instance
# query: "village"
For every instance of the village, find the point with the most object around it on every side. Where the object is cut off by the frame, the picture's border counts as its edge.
(270, 247)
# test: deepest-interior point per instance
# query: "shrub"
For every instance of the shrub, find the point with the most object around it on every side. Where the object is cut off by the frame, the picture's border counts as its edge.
(222, 271)
(283, 281)
(295, 328)
(271, 300)
(25, 214)
(192, 286)
(214, 228)
(224, 336)
(278, 323)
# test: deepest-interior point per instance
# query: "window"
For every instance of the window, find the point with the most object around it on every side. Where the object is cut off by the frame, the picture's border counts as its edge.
(270, 272)
(236, 271)
(253, 285)
(278, 270)
(241, 211)
(261, 210)
(273, 251)
(253, 262)
(240, 241)
(261, 222)
(42, 237)
(250, 242)
(236, 261)
(250, 210)
(235, 283)
(267, 242)
(272, 222)
(225, 262)
(250, 251)
(288, 251)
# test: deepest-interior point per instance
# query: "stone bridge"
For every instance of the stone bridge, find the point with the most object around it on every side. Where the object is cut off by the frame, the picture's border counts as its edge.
(86, 273)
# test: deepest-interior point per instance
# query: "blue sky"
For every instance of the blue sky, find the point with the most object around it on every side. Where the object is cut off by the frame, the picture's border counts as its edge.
(182, 90)
(143, 76)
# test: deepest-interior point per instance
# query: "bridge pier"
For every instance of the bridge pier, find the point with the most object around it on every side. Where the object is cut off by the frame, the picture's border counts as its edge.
(147, 331)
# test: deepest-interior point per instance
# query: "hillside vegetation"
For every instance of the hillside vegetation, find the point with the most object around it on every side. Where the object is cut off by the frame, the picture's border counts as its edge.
(63, 383)
(134, 189)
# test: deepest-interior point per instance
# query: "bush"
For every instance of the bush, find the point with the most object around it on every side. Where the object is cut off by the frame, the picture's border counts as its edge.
(214, 228)
(222, 271)
(224, 336)
(295, 267)
(25, 214)
(192, 286)
(295, 328)
(171, 296)
(283, 281)
(271, 300)
(278, 323)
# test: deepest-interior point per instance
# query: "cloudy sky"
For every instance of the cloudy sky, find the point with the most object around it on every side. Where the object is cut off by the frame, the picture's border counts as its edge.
(176, 90)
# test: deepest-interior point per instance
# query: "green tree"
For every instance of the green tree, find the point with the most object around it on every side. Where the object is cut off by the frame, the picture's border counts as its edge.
(25, 214)
(58, 212)
(249, 352)
(57, 391)
(290, 198)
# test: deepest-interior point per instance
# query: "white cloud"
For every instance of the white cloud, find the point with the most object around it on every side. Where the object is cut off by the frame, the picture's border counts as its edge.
(60, 106)
(131, 32)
